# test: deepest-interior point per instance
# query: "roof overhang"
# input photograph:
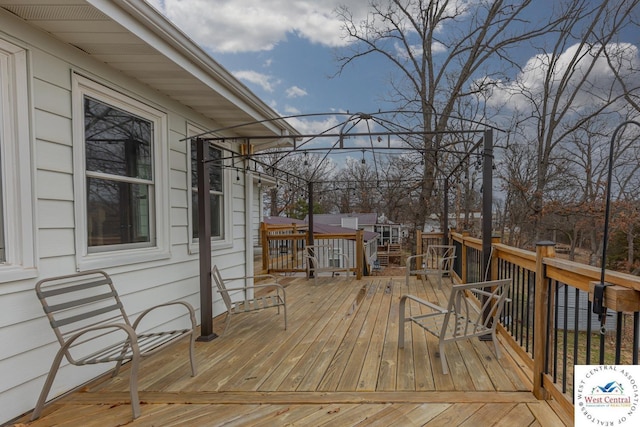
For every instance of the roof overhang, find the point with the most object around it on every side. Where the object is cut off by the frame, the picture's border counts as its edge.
(133, 38)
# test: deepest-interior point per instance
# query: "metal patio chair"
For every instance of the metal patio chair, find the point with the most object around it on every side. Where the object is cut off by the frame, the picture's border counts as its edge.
(437, 262)
(461, 319)
(246, 304)
(90, 322)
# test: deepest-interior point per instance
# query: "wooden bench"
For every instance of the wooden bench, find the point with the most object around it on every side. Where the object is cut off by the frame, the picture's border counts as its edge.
(92, 327)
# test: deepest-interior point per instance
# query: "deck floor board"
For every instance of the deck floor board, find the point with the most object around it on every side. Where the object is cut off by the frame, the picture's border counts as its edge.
(337, 364)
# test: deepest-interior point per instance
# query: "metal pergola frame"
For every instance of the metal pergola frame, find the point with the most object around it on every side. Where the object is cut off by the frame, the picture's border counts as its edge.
(204, 213)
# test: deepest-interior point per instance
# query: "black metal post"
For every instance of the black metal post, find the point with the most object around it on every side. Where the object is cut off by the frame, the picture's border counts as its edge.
(487, 201)
(487, 209)
(204, 241)
(445, 213)
(310, 239)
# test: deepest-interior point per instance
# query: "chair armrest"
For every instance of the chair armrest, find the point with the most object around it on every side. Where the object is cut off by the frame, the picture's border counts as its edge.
(423, 302)
(412, 257)
(245, 288)
(259, 276)
(188, 306)
(131, 335)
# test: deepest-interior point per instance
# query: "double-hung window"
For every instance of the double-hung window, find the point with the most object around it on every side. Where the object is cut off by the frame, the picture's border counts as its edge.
(17, 233)
(120, 177)
(220, 190)
(123, 211)
(216, 191)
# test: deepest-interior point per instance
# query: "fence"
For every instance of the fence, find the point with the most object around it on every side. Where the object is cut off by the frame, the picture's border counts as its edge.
(549, 319)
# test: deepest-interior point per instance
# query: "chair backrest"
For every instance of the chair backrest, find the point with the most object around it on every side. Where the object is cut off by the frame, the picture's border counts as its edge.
(470, 318)
(440, 257)
(219, 282)
(79, 301)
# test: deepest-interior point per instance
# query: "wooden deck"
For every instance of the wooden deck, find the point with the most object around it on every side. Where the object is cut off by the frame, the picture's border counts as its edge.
(338, 364)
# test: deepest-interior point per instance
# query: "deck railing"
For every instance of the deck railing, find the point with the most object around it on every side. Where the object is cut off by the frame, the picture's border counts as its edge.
(549, 319)
(283, 249)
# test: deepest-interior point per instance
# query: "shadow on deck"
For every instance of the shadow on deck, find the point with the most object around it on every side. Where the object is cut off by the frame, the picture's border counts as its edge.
(337, 364)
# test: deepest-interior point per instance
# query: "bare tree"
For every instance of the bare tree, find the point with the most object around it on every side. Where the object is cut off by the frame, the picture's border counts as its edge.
(438, 50)
(561, 89)
(292, 172)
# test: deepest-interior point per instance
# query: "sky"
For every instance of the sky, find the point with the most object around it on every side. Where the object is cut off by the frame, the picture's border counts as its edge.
(284, 52)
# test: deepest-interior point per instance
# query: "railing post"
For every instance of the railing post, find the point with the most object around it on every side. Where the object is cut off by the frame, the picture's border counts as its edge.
(294, 246)
(542, 317)
(359, 253)
(463, 256)
(264, 235)
(418, 243)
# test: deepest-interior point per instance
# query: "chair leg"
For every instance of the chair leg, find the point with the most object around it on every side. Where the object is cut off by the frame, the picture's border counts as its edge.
(401, 321)
(443, 359)
(133, 385)
(192, 339)
(284, 309)
(47, 385)
(227, 321)
(495, 343)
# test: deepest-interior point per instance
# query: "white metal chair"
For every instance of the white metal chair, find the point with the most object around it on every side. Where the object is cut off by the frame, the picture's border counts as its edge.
(436, 261)
(245, 305)
(325, 259)
(462, 319)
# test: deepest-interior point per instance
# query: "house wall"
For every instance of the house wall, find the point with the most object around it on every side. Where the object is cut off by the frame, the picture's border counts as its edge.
(28, 343)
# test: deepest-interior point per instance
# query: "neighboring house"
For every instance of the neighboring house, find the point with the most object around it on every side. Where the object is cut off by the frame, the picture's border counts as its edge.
(97, 101)
(388, 231)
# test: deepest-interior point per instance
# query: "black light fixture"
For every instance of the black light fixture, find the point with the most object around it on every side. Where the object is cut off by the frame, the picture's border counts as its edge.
(363, 160)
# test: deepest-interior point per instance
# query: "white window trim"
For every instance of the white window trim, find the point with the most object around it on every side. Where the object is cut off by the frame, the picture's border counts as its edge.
(216, 243)
(103, 259)
(17, 187)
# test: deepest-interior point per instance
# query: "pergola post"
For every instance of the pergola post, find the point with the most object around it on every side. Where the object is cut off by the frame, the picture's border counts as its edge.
(445, 213)
(204, 241)
(487, 201)
(310, 229)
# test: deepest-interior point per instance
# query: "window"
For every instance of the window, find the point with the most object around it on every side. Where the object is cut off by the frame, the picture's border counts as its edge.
(216, 193)
(17, 247)
(122, 188)
(220, 190)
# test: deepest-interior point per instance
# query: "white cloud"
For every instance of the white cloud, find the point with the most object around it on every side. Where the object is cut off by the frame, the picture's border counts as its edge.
(291, 111)
(295, 92)
(268, 83)
(529, 84)
(257, 25)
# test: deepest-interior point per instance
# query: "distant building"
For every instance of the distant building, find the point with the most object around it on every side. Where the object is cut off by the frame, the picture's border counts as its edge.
(388, 231)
